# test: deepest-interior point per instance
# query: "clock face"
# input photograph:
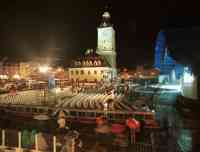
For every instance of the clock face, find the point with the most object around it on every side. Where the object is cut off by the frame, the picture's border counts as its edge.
(105, 38)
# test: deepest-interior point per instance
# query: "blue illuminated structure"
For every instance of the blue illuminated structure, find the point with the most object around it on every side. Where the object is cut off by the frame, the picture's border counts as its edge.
(160, 46)
(163, 61)
(168, 63)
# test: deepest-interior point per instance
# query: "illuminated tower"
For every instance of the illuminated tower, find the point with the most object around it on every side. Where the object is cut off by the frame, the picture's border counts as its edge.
(160, 47)
(106, 40)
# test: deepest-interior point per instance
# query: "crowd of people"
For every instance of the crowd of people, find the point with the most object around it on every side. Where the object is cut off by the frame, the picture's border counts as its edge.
(91, 88)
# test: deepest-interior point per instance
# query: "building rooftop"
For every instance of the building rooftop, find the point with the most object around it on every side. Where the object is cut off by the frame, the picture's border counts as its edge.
(90, 59)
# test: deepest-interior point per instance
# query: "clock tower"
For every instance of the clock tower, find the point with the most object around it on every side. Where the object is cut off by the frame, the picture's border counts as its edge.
(106, 40)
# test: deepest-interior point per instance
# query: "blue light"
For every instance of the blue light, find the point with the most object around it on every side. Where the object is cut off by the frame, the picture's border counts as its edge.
(160, 46)
(162, 59)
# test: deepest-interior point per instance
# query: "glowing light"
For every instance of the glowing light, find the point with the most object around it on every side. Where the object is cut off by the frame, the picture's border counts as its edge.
(105, 106)
(105, 38)
(106, 15)
(16, 76)
(44, 69)
(59, 69)
(3, 77)
(188, 78)
(168, 86)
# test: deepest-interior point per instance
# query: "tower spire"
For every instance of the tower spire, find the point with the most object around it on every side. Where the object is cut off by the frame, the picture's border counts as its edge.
(105, 22)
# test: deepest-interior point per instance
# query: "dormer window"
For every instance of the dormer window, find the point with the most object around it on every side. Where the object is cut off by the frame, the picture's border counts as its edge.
(95, 63)
(91, 63)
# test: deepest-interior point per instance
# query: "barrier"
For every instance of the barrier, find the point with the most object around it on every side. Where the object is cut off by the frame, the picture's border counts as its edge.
(4, 145)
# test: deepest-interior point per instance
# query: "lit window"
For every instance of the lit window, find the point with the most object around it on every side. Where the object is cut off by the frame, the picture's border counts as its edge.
(87, 63)
(91, 64)
(95, 63)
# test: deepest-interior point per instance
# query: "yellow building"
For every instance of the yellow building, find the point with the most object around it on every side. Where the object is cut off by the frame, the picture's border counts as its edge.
(99, 65)
(26, 69)
(90, 68)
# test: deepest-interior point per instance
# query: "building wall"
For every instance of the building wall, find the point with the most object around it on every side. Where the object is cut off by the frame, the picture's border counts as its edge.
(90, 74)
(26, 69)
(10, 69)
(106, 44)
(189, 85)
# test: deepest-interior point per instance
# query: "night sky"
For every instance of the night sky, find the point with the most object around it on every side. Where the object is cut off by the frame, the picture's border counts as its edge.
(66, 28)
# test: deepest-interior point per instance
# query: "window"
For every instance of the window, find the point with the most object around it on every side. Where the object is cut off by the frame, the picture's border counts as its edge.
(82, 72)
(95, 72)
(95, 63)
(88, 72)
(91, 64)
(101, 71)
(77, 72)
(72, 72)
(87, 63)
(99, 63)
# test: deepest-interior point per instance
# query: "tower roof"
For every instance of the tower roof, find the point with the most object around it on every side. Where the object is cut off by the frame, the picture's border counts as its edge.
(90, 59)
(105, 19)
(106, 15)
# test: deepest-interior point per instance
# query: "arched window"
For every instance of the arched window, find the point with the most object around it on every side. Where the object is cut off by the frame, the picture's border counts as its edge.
(95, 63)
(87, 63)
(95, 72)
(89, 72)
(91, 63)
(83, 63)
(99, 63)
